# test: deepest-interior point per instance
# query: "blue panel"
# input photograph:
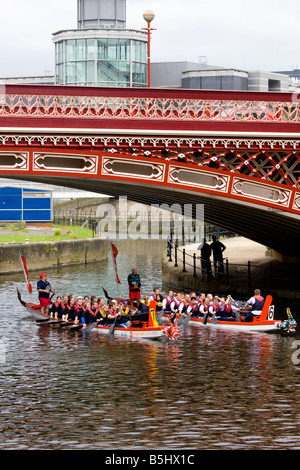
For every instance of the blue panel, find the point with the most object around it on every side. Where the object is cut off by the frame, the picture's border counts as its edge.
(35, 216)
(10, 202)
(11, 191)
(10, 216)
(34, 191)
(37, 203)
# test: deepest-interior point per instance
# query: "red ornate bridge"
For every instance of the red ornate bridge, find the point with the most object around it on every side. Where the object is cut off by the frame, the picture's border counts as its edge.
(236, 152)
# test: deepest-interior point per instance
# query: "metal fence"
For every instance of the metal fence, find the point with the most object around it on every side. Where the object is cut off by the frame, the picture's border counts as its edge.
(272, 275)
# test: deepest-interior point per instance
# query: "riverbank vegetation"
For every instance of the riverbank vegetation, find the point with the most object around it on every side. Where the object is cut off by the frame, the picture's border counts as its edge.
(20, 233)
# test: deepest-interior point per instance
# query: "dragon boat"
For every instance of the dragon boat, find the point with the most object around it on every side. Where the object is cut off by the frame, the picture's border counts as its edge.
(146, 330)
(265, 323)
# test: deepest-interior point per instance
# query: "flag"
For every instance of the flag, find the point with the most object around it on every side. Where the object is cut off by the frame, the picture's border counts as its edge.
(23, 261)
(115, 252)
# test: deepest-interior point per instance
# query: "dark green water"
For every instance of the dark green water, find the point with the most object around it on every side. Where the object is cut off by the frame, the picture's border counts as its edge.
(207, 390)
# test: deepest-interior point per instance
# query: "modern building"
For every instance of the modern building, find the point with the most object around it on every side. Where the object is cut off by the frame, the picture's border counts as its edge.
(101, 51)
(294, 75)
(201, 76)
(215, 79)
(27, 205)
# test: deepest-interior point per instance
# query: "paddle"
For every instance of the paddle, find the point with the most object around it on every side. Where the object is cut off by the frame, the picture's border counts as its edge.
(113, 327)
(159, 316)
(180, 319)
(90, 327)
(213, 319)
(172, 317)
(205, 318)
(186, 320)
(66, 323)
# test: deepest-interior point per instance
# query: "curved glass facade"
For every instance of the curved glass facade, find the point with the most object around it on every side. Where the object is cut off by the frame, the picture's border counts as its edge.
(101, 61)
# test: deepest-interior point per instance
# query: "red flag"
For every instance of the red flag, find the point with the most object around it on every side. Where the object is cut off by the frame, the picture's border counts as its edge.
(23, 261)
(115, 252)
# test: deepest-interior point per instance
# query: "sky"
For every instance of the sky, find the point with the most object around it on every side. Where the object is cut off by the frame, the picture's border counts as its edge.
(246, 35)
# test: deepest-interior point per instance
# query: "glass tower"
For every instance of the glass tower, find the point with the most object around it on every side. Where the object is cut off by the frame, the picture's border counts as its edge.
(101, 52)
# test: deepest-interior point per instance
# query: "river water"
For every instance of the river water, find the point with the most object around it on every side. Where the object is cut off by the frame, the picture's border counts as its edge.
(208, 390)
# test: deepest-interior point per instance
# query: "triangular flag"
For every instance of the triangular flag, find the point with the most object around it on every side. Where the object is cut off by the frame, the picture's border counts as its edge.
(115, 252)
(23, 261)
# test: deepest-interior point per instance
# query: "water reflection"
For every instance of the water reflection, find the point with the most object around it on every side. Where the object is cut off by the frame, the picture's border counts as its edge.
(209, 390)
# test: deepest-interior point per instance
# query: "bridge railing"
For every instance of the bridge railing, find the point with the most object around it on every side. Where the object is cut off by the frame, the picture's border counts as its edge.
(115, 103)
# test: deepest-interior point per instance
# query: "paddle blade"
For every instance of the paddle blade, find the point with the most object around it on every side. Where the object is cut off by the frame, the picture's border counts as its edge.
(113, 326)
(90, 327)
(159, 316)
(186, 320)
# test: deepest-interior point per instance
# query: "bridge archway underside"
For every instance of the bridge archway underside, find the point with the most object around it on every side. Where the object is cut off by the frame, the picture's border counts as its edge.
(254, 193)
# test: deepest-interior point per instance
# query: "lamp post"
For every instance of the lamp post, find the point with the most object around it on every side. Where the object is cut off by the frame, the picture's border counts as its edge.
(148, 16)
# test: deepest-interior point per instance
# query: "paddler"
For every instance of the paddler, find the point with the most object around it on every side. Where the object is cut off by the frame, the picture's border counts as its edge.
(44, 289)
(123, 319)
(54, 306)
(134, 284)
(193, 308)
(256, 303)
(166, 305)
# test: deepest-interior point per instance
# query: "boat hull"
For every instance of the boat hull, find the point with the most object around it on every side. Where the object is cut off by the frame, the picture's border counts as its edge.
(145, 332)
(249, 327)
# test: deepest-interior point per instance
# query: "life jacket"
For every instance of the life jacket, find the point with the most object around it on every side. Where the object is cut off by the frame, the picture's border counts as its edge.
(227, 308)
(205, 308)
(259, 302)
(61, 309)
(125, 312)
(194, 310)
(168, 304)
(102, 313)
(185, 306)
(177, 303)
(217, 308)
(91, 314)
(54, 307)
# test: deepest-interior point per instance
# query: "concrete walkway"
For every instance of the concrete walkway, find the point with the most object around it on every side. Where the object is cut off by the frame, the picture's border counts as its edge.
(239, 250)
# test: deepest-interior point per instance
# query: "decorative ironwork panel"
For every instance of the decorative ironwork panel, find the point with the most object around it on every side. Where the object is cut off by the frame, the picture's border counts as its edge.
(296, 203)
(262, 192)
(198, 179)
(133, 169)
(86, 164)
(15, 161)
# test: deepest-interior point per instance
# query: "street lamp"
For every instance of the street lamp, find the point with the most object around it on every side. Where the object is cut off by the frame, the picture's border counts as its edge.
(148, 16)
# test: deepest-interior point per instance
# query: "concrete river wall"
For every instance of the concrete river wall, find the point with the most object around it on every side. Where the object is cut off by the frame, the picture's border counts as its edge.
(43, 255)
